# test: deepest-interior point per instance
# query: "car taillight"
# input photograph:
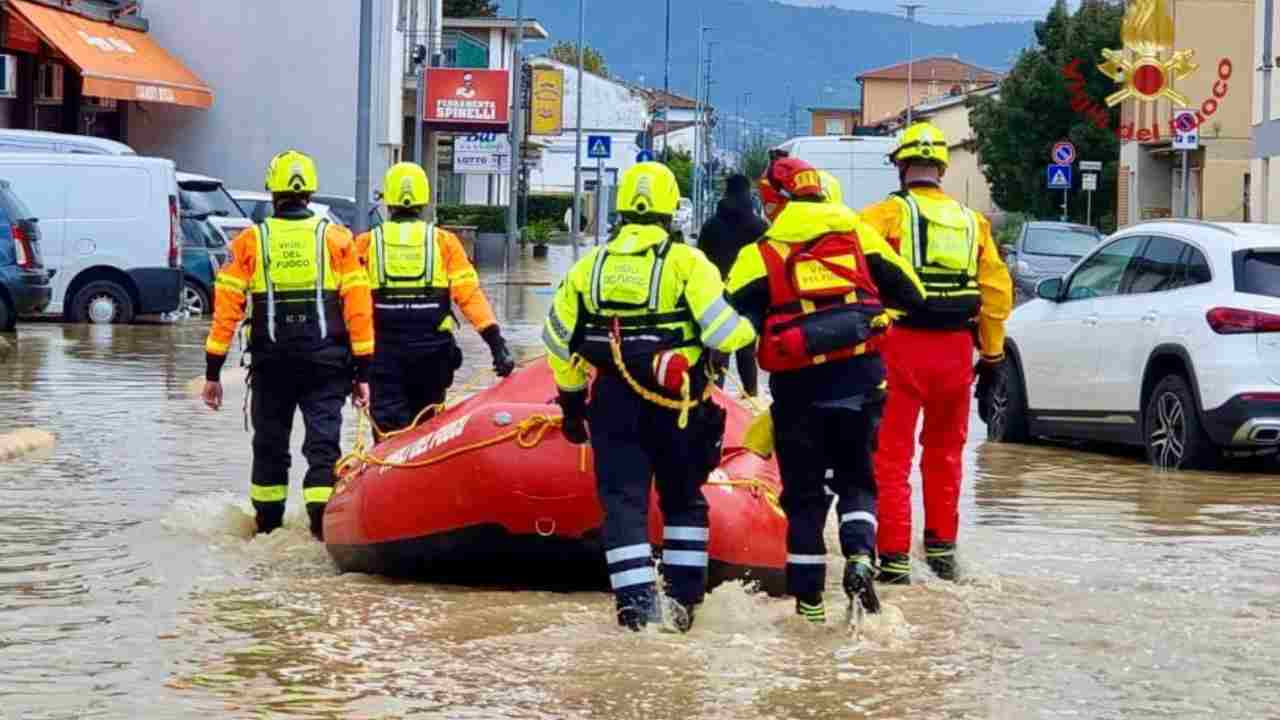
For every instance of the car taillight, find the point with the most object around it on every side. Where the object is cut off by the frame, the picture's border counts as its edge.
(22, 243)
(175, 257)
(1234, 321)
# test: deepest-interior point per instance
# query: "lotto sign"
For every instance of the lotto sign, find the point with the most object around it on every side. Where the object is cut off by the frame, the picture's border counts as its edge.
(1064, 153)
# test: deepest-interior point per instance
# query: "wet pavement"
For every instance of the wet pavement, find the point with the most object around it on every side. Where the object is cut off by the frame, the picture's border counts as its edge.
(131, 584)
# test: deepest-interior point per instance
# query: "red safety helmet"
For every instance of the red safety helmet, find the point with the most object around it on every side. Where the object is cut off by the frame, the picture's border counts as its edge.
(785, 179)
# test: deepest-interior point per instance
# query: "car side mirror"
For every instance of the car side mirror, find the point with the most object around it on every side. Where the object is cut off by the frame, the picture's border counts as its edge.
(1050, 289)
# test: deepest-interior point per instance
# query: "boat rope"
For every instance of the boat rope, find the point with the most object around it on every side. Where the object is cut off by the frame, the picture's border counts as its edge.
(683, 405)
(527, 434)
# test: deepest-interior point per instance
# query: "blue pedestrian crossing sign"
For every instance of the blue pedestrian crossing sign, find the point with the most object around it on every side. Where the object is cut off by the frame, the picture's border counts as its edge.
(599, 146)
(644, 156)
(1059, 177)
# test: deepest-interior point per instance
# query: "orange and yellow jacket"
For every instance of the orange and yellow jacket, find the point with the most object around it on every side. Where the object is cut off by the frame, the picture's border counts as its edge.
(994, 288)
(451, 272)
(341, 307)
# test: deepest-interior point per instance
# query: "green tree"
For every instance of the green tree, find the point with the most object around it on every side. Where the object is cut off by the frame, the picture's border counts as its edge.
(755, 158)
(470, 8)
(681, 164)
(1054, 92)
(567, 53)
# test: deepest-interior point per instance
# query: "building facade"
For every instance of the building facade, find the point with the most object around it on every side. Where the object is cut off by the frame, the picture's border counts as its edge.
(964, 180)
(1264, 164)
(1149, 185)
(834, 121)
(77, 66)
(884, 90)
(286, 77)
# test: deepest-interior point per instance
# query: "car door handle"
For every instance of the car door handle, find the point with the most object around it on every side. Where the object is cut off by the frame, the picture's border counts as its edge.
(1151, 318)
(1091, 320)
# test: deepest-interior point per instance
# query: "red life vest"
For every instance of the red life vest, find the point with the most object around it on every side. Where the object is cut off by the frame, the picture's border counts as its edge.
(822, 303)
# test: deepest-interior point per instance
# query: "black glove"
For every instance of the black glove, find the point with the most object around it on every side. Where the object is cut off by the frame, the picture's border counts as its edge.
(574, 406)
(991, 376)
(503, 362)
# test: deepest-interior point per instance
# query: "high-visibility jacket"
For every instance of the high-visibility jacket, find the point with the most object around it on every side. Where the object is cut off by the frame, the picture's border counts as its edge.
(416, 272)
(952, 248)
(304, 286)
(754, 287)
(662, 294)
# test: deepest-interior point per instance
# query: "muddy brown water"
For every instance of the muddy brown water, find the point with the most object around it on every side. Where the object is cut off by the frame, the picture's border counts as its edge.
(131, 585)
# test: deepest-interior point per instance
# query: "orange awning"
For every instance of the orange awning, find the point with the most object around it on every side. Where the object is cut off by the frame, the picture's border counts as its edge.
(116, 62)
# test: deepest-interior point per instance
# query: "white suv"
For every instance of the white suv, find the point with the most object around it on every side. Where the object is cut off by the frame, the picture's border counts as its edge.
(1166, 336)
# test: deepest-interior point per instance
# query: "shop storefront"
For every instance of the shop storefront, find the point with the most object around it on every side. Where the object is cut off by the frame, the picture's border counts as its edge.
(73, 66)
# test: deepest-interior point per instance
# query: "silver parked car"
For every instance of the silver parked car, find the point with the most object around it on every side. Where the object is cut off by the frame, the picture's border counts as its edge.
(1046, 250)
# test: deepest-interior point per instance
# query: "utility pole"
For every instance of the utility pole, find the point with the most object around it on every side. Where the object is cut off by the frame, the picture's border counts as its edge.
(746, 108)
(791, 109)
(708, 155)
(430, 157)
(419, 69)
(1268, 64)
(517, 132)
(575, 228)
(911, 51)
(698, 120)
(666, 89)
(363, 120)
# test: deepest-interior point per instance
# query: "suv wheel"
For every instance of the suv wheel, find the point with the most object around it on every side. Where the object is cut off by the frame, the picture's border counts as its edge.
(1174, 437)
(194, 299)
(8, 318)
(102, 303)
(1008, 422)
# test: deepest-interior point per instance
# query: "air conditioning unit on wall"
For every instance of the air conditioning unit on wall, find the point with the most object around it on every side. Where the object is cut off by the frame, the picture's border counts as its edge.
(49, 83)
(8, 76)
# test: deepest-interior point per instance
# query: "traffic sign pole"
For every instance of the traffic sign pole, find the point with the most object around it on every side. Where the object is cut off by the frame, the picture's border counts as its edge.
(1186, 189)
(601, 212)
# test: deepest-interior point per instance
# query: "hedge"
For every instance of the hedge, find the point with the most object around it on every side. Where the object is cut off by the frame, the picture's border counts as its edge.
(549, 207)
(486, 218)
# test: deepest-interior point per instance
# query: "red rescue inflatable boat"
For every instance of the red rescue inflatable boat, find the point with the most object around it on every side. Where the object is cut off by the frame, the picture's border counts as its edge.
(490, 493)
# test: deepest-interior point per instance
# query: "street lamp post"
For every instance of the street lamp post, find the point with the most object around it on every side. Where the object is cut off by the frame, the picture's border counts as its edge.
(911, 18)
(576, 224)
(364, 121)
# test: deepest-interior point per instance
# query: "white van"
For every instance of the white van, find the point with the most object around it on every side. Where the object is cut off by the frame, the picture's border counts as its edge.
(38, 141)
(860, 162)
(108, 230)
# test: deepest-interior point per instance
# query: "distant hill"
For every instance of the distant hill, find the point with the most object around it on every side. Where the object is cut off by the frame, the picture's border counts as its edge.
(765, 46)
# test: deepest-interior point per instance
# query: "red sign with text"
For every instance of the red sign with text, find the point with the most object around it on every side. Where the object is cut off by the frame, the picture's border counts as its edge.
(463, 98)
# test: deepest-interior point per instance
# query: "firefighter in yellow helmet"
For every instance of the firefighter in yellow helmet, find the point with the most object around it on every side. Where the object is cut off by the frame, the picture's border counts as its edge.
(417, 272)
(645, 311)
(311, 337)
(929, 353)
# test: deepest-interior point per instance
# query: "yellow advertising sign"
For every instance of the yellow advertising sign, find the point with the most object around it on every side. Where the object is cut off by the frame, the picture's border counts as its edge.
(547, 114)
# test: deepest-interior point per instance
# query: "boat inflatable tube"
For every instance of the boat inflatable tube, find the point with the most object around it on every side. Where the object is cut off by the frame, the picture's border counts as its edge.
(489, 493)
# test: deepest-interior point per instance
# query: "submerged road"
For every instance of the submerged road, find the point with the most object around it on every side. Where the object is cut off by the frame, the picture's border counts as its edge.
(131, 584)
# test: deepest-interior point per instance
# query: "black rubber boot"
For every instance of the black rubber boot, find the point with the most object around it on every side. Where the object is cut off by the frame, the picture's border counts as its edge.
(639, 607)
(812, 608)
(859, 583)
(942, 559)
(315, 512)
(682, 615)
(895, 569)
(268, 516)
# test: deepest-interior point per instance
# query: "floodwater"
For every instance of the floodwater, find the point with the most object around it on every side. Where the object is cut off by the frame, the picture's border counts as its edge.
(131, 584)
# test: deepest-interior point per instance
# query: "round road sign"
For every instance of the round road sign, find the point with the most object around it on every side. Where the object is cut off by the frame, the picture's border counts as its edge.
(1064, 153)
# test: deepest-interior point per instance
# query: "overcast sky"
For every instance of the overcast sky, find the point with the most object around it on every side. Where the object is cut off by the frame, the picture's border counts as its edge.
(948, 12)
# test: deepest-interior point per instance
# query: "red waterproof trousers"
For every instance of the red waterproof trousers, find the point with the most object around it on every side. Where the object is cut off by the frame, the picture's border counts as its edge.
(929, 370)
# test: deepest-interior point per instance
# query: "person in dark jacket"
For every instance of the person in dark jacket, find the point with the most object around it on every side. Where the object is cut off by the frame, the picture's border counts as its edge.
(734, 226)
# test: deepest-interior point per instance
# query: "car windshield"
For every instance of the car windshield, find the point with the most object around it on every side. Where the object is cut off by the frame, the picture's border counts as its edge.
(1258, 272)
(207, 198)
(1062, 242)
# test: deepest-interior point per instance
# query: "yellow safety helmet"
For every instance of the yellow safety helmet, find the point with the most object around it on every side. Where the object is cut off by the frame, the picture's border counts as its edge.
(292, 172)
(406, 186)
(831, 188)
(649, 188)
(922, 141)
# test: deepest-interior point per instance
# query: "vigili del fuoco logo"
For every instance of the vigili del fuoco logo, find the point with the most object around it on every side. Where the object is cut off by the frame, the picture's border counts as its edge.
(1145, 69)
